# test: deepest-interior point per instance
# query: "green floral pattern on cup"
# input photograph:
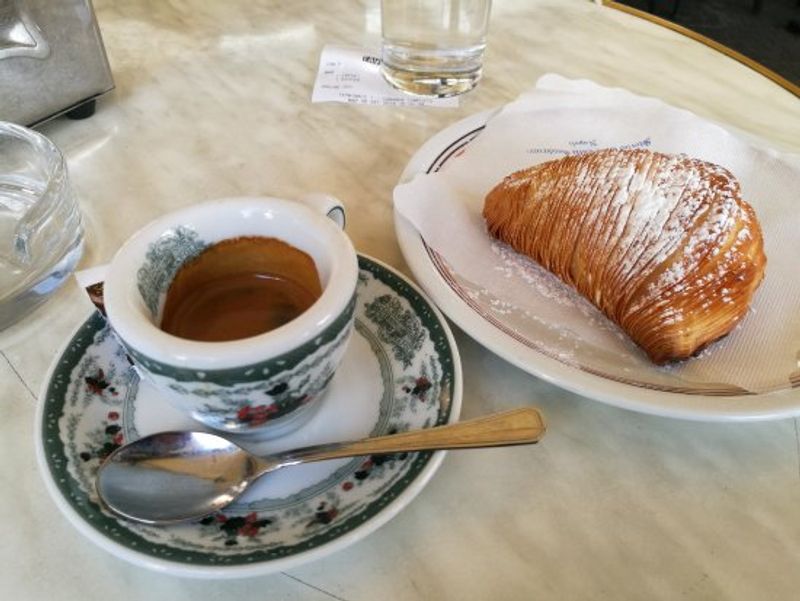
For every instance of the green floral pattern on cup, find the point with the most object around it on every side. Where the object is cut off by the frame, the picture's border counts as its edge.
(246, 398)
(162, 261)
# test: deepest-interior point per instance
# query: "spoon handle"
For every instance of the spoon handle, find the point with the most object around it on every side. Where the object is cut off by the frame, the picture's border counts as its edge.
(518, 426)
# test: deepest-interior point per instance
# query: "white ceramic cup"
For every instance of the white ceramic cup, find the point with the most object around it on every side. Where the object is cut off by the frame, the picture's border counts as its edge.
(267, 384)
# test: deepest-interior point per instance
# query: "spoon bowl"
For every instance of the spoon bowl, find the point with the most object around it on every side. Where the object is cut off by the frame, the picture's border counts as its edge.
(172, 477)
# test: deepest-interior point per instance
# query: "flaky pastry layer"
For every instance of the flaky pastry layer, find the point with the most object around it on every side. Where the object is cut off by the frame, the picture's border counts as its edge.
(662, 244)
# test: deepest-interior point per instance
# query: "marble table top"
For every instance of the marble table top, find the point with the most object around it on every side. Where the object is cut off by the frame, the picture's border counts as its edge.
(213, 100)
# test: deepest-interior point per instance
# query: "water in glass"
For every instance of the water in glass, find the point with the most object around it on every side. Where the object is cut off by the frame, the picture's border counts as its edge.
(434, 47)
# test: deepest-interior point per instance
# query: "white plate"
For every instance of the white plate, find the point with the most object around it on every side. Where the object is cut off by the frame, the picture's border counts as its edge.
(432, 273)
(401, 371)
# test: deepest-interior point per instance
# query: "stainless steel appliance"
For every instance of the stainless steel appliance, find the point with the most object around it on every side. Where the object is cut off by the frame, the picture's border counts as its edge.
(52, 60)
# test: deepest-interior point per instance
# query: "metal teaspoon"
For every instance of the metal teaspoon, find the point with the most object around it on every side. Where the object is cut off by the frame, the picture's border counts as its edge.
(172, 477)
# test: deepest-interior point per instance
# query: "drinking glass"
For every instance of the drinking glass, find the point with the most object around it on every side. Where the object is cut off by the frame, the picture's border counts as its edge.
(41, 236)
(434, 47)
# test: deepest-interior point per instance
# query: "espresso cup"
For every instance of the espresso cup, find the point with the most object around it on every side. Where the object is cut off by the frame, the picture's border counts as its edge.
(267, 384)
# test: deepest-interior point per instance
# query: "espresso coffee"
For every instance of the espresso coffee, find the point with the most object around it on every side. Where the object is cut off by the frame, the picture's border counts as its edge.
(240, 288)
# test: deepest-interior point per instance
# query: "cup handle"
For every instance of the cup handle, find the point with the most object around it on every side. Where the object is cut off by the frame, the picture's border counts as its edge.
(328, 205)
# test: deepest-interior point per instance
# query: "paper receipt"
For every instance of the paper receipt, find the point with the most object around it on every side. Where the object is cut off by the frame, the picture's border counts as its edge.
(352, 75)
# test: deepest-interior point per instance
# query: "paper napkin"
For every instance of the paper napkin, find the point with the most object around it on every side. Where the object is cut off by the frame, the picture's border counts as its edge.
(561, 117)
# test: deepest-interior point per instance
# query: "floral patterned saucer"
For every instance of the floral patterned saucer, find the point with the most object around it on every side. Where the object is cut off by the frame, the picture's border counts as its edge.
(401, 372)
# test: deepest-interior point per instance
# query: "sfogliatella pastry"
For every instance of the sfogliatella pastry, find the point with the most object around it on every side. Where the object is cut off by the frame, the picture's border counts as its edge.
(662, 244)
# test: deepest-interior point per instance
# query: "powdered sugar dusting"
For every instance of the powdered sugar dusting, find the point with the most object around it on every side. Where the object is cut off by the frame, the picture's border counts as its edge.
(645, 236)
(547, 288)
(513, 265)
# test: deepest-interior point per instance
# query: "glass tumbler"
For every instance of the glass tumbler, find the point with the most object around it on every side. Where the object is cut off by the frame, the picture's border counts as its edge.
(434, 47)
(41, 236)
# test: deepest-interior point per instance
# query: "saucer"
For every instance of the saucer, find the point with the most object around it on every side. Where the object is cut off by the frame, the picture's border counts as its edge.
(401, 372)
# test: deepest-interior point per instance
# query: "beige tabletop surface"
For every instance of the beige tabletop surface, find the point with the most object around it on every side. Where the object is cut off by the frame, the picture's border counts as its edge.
(213, 99)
